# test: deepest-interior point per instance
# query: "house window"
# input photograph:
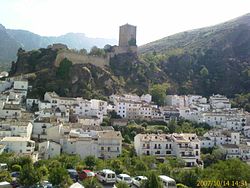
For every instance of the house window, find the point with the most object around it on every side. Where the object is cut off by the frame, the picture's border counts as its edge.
(168, 152)
(102, 148)
(108, 148)
(197, 153)
(157, 152)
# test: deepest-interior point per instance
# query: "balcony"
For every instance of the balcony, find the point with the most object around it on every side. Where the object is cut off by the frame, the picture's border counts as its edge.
(188, 156)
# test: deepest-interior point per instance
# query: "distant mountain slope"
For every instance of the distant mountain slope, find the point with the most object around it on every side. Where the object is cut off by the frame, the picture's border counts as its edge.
(208, 60)
(11, 40)
(32, 41)
(221, 35)
(8, 45)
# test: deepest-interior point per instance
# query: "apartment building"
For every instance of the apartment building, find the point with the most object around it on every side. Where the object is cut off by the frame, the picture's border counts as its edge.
(185, 146)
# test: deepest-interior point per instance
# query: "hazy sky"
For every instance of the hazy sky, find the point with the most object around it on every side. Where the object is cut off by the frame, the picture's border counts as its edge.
(154, 19)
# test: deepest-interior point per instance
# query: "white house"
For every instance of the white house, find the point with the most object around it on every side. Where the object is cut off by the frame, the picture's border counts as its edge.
(218, 137)
(246, 131)
(40, 127)
(44, 105)
(147, 98)
(231, 150)
(99, 105)
(10, 111)
(49, 149)
(19, 145)
(102, 144)
(20, 85)
(219, 102)
(58, 132)
(175, 100)
(16, 128)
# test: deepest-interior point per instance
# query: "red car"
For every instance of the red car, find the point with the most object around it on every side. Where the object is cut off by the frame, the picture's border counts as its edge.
(84, 174)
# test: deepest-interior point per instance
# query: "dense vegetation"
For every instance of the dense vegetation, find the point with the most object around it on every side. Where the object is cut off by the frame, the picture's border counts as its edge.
(54, 169)
(205, 61)
(242, 101)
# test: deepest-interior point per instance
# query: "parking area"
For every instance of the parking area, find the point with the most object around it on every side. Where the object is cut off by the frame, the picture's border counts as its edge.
(111, 186)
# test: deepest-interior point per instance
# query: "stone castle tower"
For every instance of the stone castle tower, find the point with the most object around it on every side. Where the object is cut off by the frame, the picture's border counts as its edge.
(127, 35)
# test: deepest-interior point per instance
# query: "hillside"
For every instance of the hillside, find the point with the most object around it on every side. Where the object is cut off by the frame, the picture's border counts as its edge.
(123, 73)
(11, 40)
(208, 60)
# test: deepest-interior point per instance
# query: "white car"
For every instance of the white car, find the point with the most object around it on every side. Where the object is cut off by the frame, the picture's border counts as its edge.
(137, 181)
(125, 178)
(106, 176)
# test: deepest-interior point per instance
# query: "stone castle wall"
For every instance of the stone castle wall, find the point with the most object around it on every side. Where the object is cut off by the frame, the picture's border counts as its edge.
(77, 58)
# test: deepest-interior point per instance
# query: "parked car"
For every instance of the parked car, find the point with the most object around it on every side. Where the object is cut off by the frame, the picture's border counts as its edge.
(73, 174)
(167, 182)
(106, 176)
(3, 166)
(84, 174)
(137, 181)
(125, 178)
(15, 175)
(5, 184)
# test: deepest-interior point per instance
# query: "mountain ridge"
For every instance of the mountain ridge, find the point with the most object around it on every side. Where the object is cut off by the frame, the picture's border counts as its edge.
(13, 39)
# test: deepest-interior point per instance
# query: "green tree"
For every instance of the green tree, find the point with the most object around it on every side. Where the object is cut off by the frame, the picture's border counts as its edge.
(229, 170)
(16, 168)
(122, 185)
(90, 161)
(5, 176)
(158, 92)
(64, 69)
(116, 164)
(58, 176)
(83, 51)
(29, 176)
(91, 183)
(153, 181)
(172, 126)
(95, 51)
(43, 170)
(141, 166)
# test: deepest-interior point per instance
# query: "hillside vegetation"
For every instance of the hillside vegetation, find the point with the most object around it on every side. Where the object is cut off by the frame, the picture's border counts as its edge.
(205, 61)
(124, 73)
